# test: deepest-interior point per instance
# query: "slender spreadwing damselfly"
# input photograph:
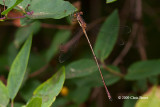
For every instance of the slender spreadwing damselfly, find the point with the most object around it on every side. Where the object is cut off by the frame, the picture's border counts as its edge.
(83, 26)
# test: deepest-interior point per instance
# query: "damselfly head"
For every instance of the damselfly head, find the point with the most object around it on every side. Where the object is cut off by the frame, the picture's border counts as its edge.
(81, 13)
(77, 13)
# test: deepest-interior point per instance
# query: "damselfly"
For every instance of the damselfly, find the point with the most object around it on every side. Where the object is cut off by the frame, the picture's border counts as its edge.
(83, 26)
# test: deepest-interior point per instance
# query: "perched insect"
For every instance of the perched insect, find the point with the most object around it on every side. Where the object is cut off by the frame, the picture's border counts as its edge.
(66, 49)
(83, 26)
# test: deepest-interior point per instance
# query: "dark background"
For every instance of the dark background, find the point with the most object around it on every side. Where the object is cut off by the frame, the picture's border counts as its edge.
(144, 45)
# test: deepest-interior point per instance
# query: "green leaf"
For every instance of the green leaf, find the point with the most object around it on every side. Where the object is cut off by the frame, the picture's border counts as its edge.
(61, 37)
(51, 88)
(24, 4)
(50, 9)
(11, 53)
(18, 69)
(35, 102)
(6, 2)
(95, 80)
(80, 68)
(4, 98)
(110, 1)
(11, 5)
(143, 69)
(153, 98)
(107, 36)
(23, 33)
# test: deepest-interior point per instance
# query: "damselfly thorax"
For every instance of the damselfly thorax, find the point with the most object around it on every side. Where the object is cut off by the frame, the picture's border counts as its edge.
(82, 23)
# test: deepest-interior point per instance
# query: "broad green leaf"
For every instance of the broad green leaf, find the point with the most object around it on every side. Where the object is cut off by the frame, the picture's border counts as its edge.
(35, 102)
(143, 69)
(21, 5)
(11, 5)
(61, 37)
(80, 68)
(24, 4)
(51, 88)
(11, 53)
(110, 1)
(18, 68)
(23, 32)
(50, 9)
(107, 36)
(95, 80)
(4, 98)
(27, 91)
(152, 98)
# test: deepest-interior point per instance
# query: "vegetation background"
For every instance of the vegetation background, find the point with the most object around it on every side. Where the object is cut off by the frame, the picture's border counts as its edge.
(36, 36)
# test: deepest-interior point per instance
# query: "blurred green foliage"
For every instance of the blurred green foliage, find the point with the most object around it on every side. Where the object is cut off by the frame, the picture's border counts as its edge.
(31, 49)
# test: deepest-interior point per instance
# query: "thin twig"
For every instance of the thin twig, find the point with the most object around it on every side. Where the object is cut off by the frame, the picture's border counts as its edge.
(3, 79)
(112, 71)
(12, 103)
(51, 26)
(141, 43)
(128, 45)
(44, 25)
(140, 35)
(80, 33)
(136, 5)
(39, 71)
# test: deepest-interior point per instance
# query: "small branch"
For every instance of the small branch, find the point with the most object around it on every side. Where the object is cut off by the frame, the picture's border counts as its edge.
(141, 43)
(80, 33)
(128, 45)
(3, 79)
(124, 12)
(39, 71)
(51, 26)
(137, 9)
(44, 25)
(112, 71)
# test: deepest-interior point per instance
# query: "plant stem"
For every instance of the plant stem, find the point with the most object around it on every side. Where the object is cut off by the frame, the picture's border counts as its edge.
(12, 103)
(112, 71)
